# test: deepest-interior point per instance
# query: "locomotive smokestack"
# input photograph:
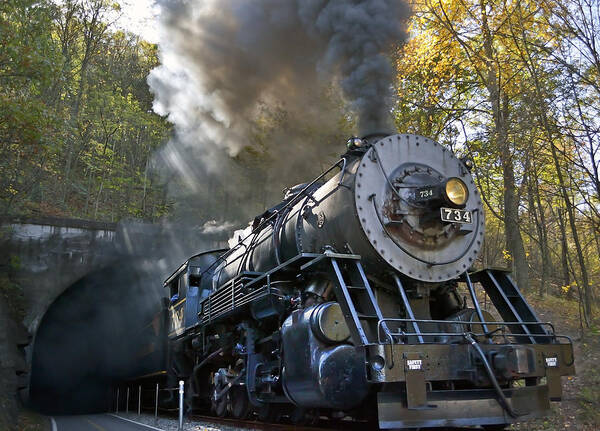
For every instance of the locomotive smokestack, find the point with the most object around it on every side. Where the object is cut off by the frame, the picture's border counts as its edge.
(371, 138)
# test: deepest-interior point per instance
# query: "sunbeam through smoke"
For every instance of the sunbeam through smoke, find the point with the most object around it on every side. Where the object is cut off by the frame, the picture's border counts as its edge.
(231, 68)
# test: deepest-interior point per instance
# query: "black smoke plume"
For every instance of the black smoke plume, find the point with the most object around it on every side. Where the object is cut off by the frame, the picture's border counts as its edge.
(266, 75)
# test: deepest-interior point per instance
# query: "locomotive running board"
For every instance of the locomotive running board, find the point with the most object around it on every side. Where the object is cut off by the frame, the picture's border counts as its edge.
(236, 294)
(352, 290)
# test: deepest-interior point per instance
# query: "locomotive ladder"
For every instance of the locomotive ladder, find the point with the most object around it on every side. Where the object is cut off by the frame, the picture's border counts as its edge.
(511, 305)
(358, 303)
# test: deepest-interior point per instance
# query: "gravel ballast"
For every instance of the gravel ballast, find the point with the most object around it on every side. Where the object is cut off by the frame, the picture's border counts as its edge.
(171, 424)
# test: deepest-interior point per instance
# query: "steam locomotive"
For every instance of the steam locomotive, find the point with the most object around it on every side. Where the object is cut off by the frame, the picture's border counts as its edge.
(353, 298)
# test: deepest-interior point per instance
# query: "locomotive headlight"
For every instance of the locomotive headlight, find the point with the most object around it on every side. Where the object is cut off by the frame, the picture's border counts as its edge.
(457, 191)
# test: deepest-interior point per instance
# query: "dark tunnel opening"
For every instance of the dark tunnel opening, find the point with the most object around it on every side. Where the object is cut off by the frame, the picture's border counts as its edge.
(89, 340)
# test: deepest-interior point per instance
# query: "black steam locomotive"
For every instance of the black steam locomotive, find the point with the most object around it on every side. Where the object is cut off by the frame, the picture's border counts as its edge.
(353, 298)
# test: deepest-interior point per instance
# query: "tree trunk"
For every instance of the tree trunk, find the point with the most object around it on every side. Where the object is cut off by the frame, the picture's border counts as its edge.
(564, 252)
(537, 214)
(499, 103)
(543, 231)
(565, 195)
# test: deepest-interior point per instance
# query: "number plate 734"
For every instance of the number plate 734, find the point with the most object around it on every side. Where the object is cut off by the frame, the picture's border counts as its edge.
(454, 215)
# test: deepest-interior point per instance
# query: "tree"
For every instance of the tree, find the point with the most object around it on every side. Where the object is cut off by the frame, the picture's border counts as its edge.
(469, 39)
(514, 85)
(77, 130)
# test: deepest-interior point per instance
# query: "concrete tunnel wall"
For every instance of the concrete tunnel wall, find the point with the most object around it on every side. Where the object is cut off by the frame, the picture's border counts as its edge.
(52, 254)
(88, 286)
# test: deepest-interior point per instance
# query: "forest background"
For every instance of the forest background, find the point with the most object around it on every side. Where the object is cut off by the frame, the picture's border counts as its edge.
(513, 85)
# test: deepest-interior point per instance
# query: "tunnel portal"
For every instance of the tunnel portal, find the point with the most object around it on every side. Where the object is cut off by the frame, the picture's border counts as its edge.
(88, 288)
(89, 339)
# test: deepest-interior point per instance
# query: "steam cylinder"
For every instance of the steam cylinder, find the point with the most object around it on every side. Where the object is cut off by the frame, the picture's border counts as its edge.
(371, 208)
(316, 372)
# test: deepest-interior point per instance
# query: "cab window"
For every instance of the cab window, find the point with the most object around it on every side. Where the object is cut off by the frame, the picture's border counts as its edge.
(182, 283)
(173, 292)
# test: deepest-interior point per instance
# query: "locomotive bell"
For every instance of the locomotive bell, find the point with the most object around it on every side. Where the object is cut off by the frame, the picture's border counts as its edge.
(354, 142)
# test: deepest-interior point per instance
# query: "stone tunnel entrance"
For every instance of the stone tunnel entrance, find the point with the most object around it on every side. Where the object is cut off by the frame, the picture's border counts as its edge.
(87, 289)
(89, 339)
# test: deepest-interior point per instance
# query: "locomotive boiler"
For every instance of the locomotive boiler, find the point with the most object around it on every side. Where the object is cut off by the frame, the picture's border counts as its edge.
(354, 298)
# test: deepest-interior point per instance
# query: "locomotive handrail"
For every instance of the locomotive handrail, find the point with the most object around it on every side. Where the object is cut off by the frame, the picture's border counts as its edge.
(488, 334)
(478, 334)
(293, 201)
(221, 300)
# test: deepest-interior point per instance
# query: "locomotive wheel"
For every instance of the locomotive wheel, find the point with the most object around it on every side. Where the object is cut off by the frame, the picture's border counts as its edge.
(240, 405)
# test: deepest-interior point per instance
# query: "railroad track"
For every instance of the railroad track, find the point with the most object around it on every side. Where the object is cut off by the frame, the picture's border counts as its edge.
(323, 426)
(252, 424)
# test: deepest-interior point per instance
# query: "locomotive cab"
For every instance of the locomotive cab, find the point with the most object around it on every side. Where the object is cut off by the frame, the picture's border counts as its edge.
(187, 287)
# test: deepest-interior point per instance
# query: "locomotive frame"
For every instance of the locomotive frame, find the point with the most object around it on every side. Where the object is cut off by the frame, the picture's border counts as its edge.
(329, 328)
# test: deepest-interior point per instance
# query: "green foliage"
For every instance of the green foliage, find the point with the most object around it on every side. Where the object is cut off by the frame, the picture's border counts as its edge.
(77, 129)
(14, 262)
